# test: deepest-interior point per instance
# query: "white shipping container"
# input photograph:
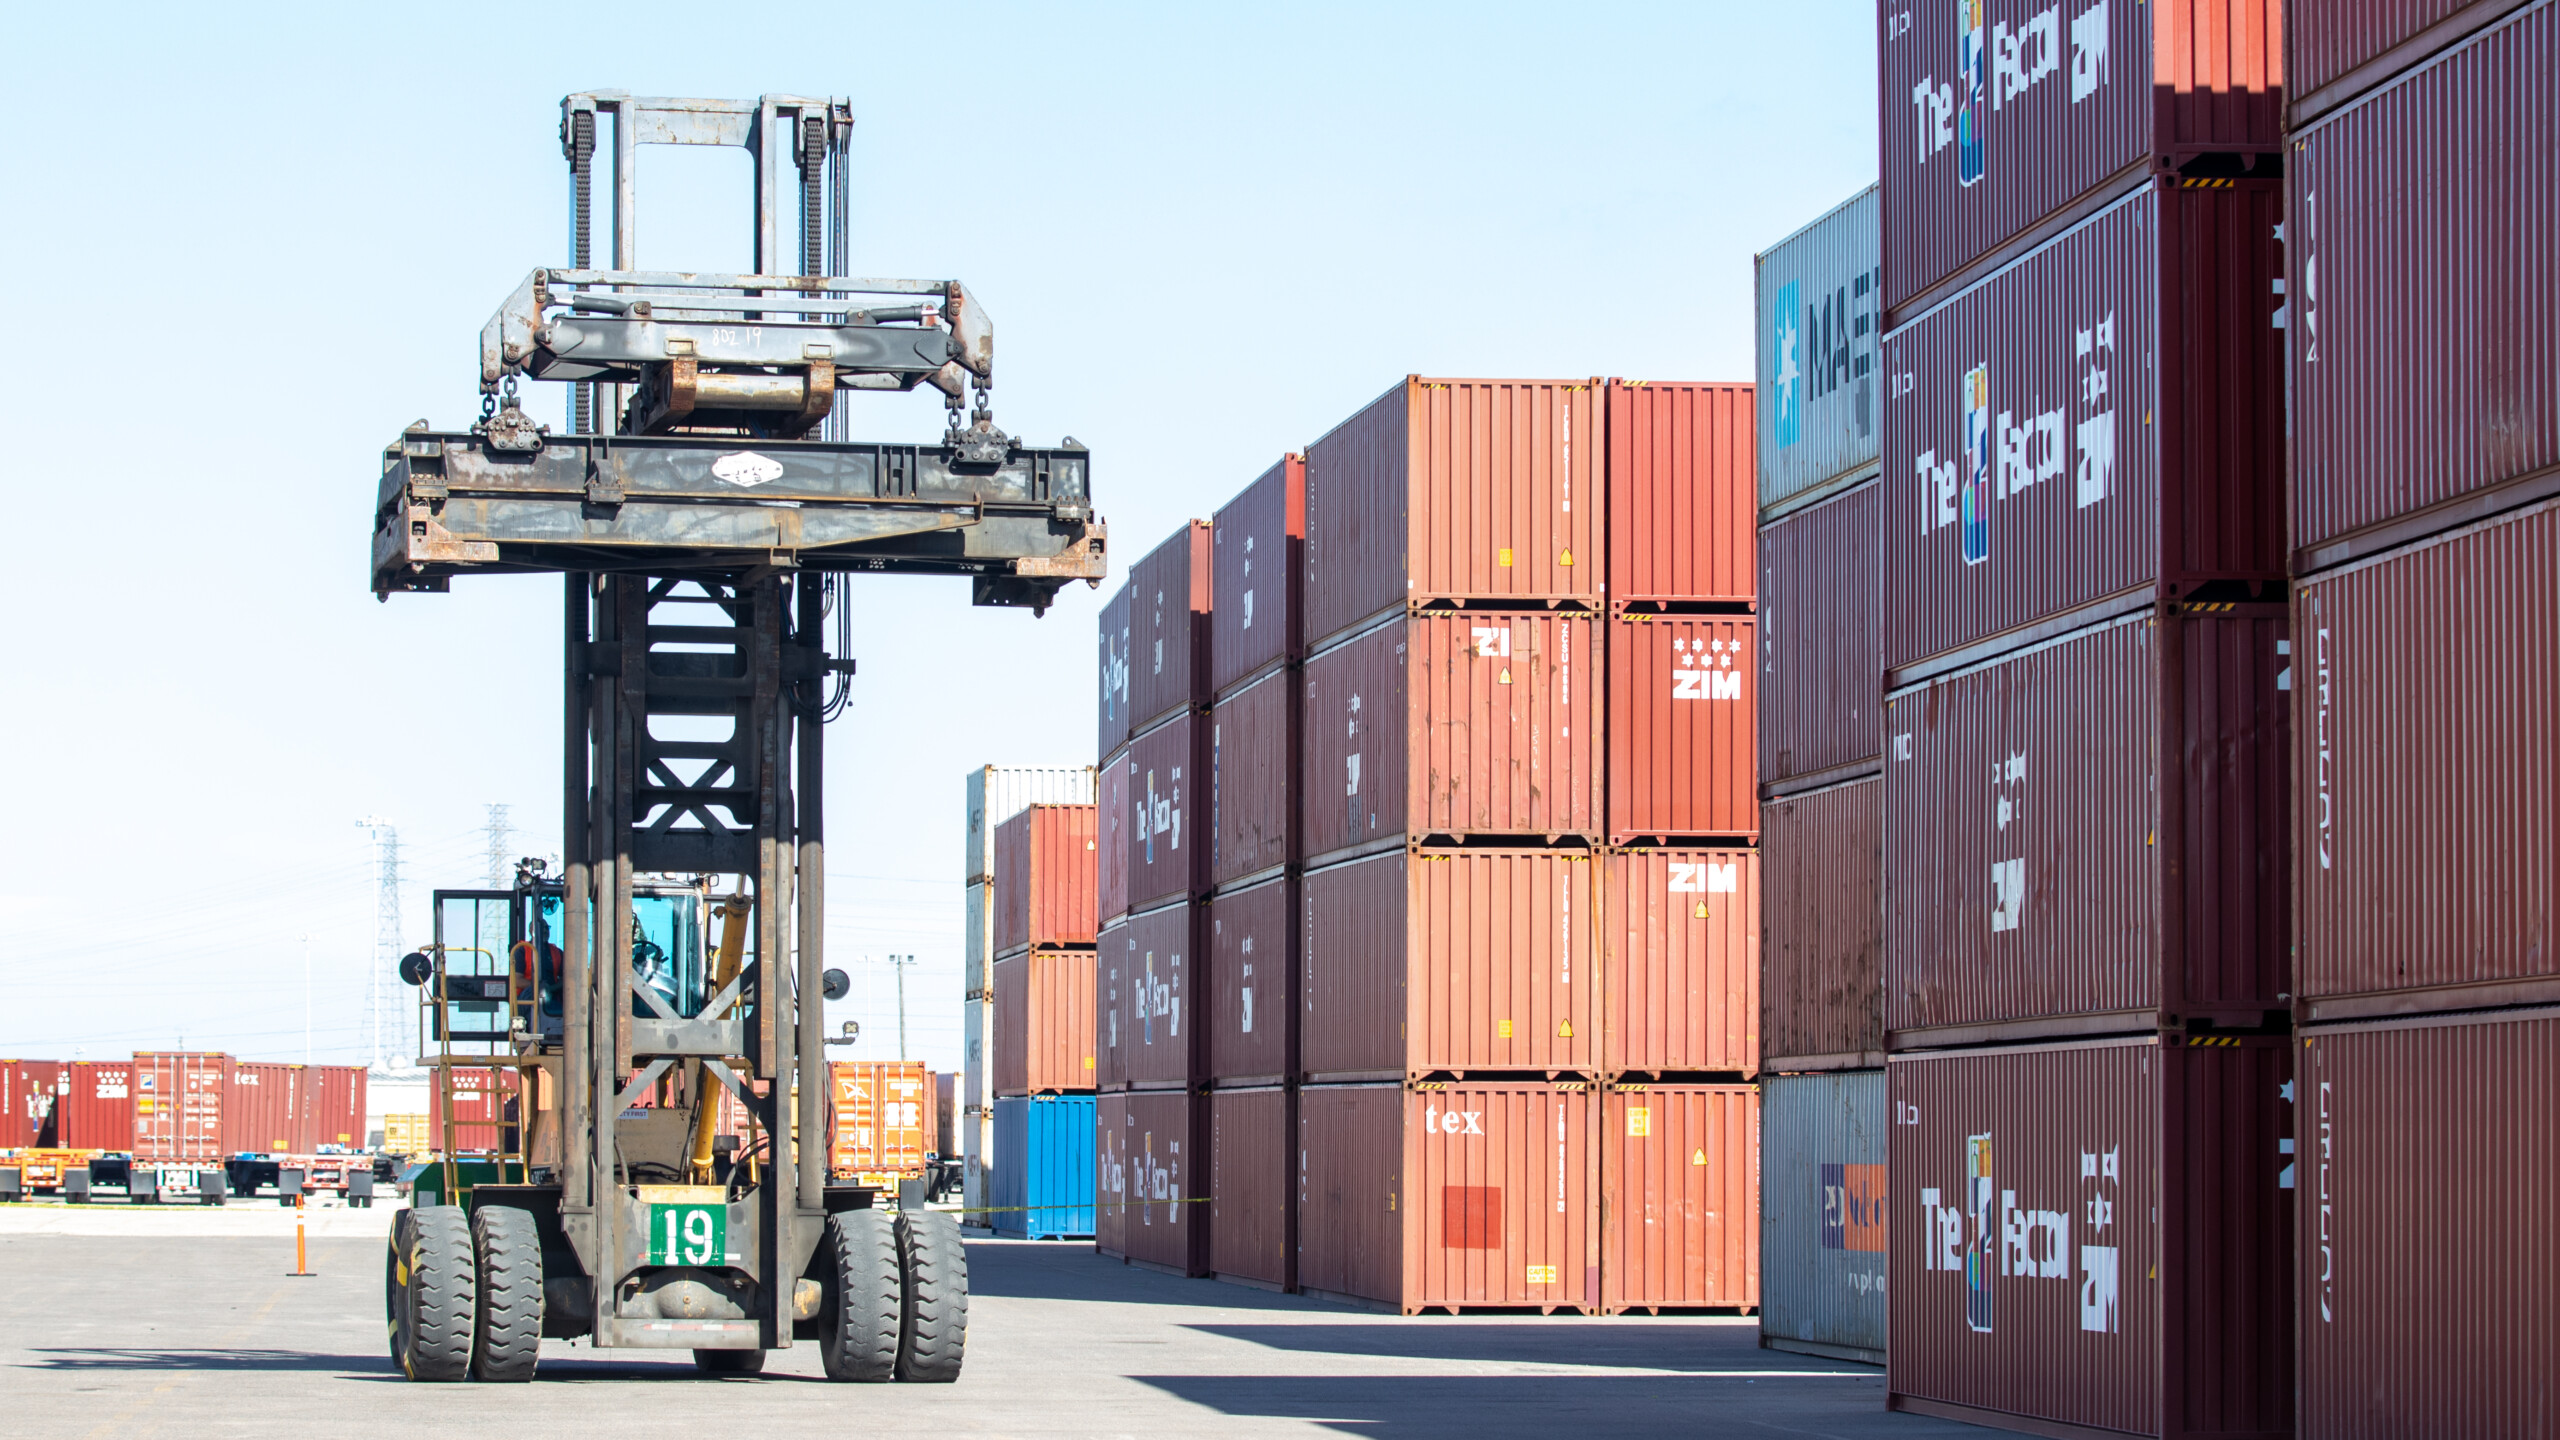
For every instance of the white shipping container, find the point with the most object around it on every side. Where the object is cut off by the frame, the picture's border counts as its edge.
(997, 793)
(1822, 1214)
(977, 1101)
(1820, 317)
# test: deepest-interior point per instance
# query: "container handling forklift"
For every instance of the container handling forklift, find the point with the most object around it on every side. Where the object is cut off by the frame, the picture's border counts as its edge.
(706, 507)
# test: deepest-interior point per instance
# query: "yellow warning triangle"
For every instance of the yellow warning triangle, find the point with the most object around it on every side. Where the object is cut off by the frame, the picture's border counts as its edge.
(1565, 559)
(1506, 676)
(1698, 1157)
(1702, 910)
(1564, 1031)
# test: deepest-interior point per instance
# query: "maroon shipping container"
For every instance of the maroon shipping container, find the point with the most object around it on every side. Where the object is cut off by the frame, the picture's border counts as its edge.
(263, 1111)
(1253, 1153)
(1453, 724)
(2426, 1216)
(2337, 49)
(1253, 771)
(2102, 420)
(1112, 672)
(1044, 1024)
(336, 1096)
(2427, 807)
(1115, 835)
(1681, 986)
(30, 1098)
(1169, 597)
(2003, 118)
(2094, 1235)
(1458, 1196)
(177, 1106)
(1150, 1003)
(1417, 963)
(1110, 1174)
(1682, 702)
(96, 1111)
(1150, 1179)
(1821, 631)
(1822, 929)
(1253, 1010)
(1046, 876)
(2090, 835)
(2425, 221)
(1456, 490)
(1166, 859)
(1258, 541)
(1107, 1019)
(1680, 1197)
(1681, 493)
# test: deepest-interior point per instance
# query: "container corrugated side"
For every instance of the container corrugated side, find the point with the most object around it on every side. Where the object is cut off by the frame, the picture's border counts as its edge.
(1680, 1197)
(1009, 1048)
(1046, 875)
(1823, 1216)
(2425, 269)
(262, 1110)
(30, 1100)
(1822, 929)
(2094, 1235)
(1680, 493)
(1683, 706)
(1042, 1181)
(1156, 1187)
(1115, 835)
(1111, 667)
(1819, 302)
(1253, 779)
(1253, 1150)
(997, 793)
(1151, 1016)
(1681, 983)
(1110, 1174)
(1167, 859)
(1258, 540)
(2100, 420)
(2338, 49)
(1821, 630)
(1059, 1005)
(97, 1112)
(977, 1109)
(1999, 115)
(177, 1106)
(1169, 596)
(1253, 1009)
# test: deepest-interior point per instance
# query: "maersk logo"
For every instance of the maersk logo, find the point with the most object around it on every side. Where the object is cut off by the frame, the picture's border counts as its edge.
(1823, 345)
(1787, 343)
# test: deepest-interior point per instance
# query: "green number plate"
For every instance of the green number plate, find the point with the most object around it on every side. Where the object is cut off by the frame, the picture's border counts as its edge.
(688, 1234)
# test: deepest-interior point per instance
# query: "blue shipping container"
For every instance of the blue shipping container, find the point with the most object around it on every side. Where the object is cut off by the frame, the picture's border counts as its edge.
(1822, 1214)
(1040, 1183)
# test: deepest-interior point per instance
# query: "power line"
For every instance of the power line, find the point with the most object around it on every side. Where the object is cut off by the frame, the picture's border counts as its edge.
(386, 933)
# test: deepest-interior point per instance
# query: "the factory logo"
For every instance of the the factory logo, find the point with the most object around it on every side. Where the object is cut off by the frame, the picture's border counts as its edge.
(1115, 671)
(1987, 1235)
(1247, 576)
(1705, 669)
(1155, 999)
(1853, 1215)
(1998, 64)
(2006, 449)
(2009, 877)
(1974, 502)
(1163, 813)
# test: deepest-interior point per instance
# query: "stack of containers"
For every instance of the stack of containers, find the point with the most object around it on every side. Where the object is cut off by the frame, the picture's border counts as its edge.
(1043, 1053)
(1821, 681)
(2085, 935)
(999, 795)
(1151, 1124)
(1249, 940)
(2423, 170)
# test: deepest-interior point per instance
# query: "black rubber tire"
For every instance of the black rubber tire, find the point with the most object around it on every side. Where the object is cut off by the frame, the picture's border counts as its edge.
(506, 1337)
(395, 1286)
(858, 1337)
(729, 1362)
(933, 1321)
(442, 1296)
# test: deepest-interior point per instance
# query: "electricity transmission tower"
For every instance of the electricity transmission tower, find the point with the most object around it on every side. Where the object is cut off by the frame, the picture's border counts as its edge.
(386, 937)
(501, 871)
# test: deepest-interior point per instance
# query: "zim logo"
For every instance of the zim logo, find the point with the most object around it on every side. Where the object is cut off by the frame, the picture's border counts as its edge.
(1704, 878)
(1493, 641)
(1704, 670)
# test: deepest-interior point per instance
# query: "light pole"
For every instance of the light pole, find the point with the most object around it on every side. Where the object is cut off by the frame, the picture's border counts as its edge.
(900, 964)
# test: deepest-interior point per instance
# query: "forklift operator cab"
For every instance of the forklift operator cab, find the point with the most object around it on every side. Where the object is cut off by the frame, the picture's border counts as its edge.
(485, 934)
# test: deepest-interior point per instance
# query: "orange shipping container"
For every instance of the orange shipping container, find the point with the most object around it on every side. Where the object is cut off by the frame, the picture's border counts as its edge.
(1045, 878)
(1044, 1023)
(1682, 985)
(1682, 703)
(1680, 1191)
(1681, 492)
(882, 1113)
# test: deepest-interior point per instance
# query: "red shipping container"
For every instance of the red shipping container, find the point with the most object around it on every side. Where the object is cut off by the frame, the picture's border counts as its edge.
(96, 1112)
(1253, 1153)
(1680, 1197)
(1112, 673)
(1150, 1181)
(1114, 837)
(475, 1103)
(1166, 859)
(177, 1106)
(1429, 962)
(1456, 490)
(1169, 627)
(2426, 1218)
(1681, 493)
(1258, 542)
(1253, 1016)
(1150, 1004)
(1456, 1196)
(1821, 633)
(2102, 420)
(2094, 1235)
(2003, 118)
(1046, 874)
(1044, 1023)
(2425, 222)
(1682, 981)
(1253, 769)
(263, 1111)
(1682, 701)
(2091, 831)
(30, 1097)
(1480, 723)
(2427, 810)
(336, 1096)
(2338, 49)
(1822, 929)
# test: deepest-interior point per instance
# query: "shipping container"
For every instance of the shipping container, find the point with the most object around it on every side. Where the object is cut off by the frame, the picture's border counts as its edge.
(1253, 1152)
(1462, 1196)
(1819, 299)
(879, 1114)
(2425, 221)
(30, 1101)
(977, 934)
(1822, 929)
(1456, 490)
(263, 1110)
(1152, 1181)
(408, 1135)
(1110, 1212)
(1478, 723)
(1258, 544)
(469, 1117)
(945, 1140)
(1041, 1181)
(1046, 872)
(1112, 672)
(977, 1108)
(997, 793)
(2100, 421)
(1421, 963)
(1253, 1007)
(1682, 706)
(1149, 1007)
(2090, 835)
(1169, 595)
(96, 1112)
(2426, 806)
(1114, 837)
(1044, 1023)
(1679, 1197)
(2338, 49)
(1680, 984)
(177, 1106)
(2425, 1218)
(2096, 1234)
(1253, 772)
(1166, 859)
(1680, 493)
(1821, 629)
(2004, 118)
(1823, 1214)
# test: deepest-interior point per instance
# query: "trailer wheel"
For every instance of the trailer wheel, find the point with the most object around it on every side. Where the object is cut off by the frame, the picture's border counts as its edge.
(441, 1296)
(933, 1328)
(859, 1337)
(729, 1362)
(507, 1329)
(395, 1286)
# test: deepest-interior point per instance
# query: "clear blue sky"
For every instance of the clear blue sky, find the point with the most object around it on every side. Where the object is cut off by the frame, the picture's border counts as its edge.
(248, 246)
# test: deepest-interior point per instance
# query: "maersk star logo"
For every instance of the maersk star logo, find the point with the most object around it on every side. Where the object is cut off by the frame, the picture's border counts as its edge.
(1788, 375)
